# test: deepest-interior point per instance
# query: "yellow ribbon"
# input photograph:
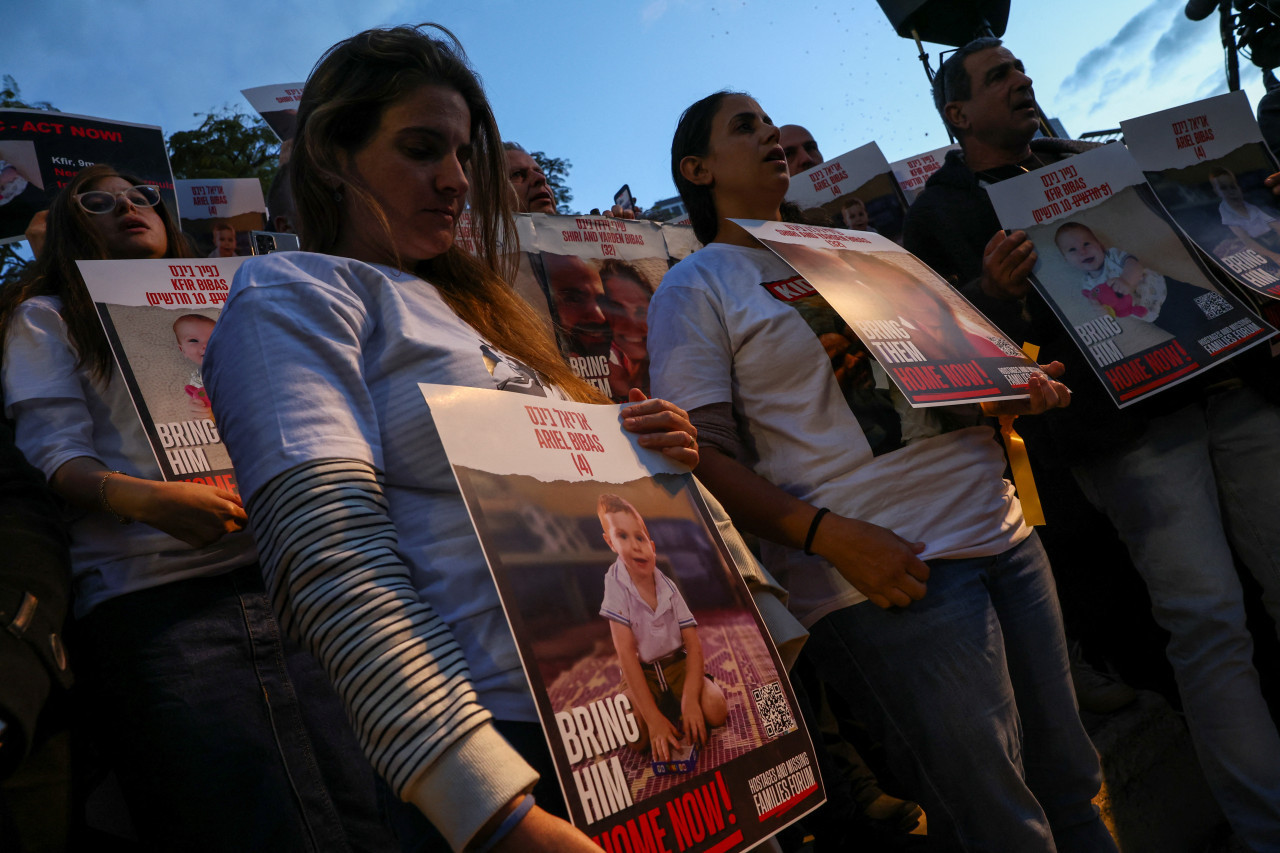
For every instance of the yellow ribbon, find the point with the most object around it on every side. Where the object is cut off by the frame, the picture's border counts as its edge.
(1020, 462)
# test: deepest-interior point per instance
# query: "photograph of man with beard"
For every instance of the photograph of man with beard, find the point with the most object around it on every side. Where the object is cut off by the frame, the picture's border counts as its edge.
(574, 291)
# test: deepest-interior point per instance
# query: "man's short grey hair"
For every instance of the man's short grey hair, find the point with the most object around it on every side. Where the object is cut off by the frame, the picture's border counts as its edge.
(514, 146)
(952, 82)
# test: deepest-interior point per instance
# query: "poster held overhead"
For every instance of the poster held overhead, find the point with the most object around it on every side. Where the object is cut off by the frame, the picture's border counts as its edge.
(579, 525)
(856, 190)
(158, 315)
(41, 151)
(218, 215)
(278, 106)
(1122, 278)
(1206, 162)
(912, 172)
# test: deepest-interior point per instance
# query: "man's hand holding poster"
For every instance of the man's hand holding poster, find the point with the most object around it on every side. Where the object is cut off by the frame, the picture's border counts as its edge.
(158, 316)
(1138, 301)
(638, 636)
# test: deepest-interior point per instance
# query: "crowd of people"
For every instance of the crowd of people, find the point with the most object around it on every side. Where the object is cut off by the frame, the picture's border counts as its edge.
(321, 660)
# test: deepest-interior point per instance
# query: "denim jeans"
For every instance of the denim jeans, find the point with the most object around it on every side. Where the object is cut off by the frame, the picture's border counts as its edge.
(224, 735)
(970, 693)
(1203, 480)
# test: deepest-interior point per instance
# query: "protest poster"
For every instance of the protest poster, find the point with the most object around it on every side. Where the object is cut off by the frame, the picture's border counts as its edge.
(576, 521)
(912, 172)
(278, 106)
(217, 215)
(681, 241)
(597, 275)
(525, 282)
(862, 292)
(158, 315)
(1206, 162)
(41, 151)
(856, 190)
(1138, 301)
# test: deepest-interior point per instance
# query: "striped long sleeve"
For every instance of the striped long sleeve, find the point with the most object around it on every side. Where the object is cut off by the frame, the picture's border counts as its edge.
(328, 552)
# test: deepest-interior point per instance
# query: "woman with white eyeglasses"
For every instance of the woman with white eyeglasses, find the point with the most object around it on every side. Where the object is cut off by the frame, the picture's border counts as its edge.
(224, 735)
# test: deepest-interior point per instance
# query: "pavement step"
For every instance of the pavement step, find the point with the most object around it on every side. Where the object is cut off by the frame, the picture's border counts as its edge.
(1155, 798)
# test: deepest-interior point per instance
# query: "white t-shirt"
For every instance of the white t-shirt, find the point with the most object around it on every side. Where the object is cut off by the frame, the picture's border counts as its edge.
(319, 357)
(1255, 221)
(62, 413)
(717, 336)
(657, 630)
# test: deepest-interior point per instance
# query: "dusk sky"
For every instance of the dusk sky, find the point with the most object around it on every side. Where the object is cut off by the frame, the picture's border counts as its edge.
(603, 83)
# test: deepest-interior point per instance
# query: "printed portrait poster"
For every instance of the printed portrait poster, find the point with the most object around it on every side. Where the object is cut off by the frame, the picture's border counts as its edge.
(912, 172)
(278, 106)
(1137, 299)
(217, 215)
(865, 295)
(1206, 162)
(597, 275)
(545, 482)
(855, 191)
(525, 282)
(158, 315)
(41, 151)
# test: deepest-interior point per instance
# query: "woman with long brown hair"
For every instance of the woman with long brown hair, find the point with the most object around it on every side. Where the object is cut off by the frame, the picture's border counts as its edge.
(929, 601)
(223, 736)
(314, 370)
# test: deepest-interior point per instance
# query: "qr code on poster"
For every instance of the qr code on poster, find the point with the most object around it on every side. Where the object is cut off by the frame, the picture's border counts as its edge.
(1212, 304)
(775, 714)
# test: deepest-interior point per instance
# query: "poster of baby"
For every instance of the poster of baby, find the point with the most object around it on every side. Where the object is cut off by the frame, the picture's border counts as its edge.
(158, 315)
(1138, 301)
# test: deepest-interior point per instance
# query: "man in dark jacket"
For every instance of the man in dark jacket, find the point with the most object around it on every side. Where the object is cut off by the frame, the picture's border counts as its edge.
(1173, 476)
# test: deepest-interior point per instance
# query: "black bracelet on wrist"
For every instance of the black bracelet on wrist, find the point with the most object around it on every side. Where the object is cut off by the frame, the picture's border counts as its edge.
(813, 530)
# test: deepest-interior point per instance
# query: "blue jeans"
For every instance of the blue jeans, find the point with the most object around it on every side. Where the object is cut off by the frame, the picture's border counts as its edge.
(224, 735)
(1202, 480)
(969, 691)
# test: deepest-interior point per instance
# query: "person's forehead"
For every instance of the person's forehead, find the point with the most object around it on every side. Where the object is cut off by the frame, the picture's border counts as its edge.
(575, 277)
(110, 182)
(795, 135)
(622, 287)
(982, 62)
(520, 160)
(734, 105)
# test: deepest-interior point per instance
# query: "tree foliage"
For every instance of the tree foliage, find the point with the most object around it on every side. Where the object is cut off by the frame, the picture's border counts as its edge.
(11, 97)
(13, 261)
(557, 171)
(227, 144)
